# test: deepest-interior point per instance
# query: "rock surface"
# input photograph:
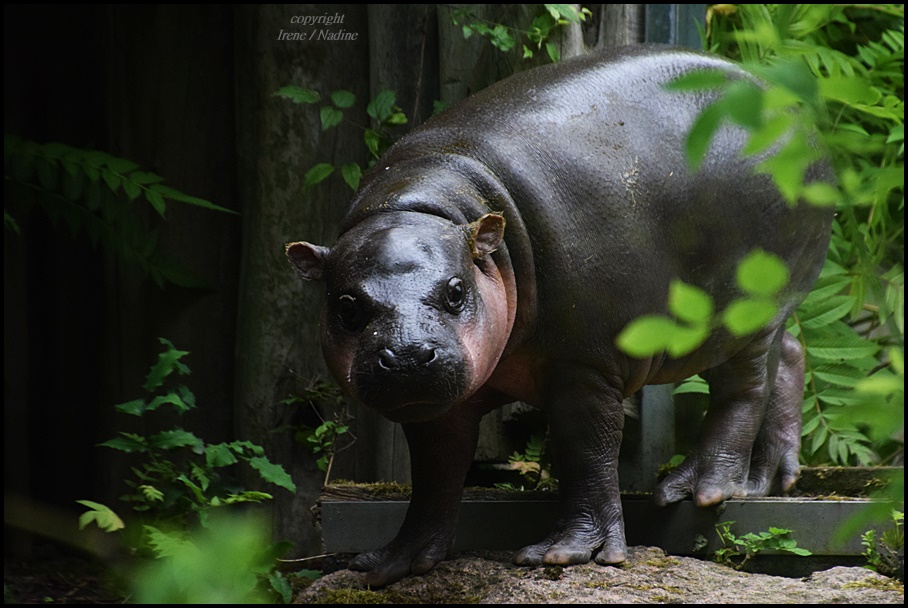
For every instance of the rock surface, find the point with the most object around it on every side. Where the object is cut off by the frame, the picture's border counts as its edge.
(648, 577)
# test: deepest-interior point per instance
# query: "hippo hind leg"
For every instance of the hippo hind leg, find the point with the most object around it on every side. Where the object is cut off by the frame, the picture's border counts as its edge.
(585, 421)
(751, 434)
(774, 466)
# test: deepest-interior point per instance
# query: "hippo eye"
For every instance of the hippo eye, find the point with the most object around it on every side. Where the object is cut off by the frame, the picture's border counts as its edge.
(455, 295)
(349, 313)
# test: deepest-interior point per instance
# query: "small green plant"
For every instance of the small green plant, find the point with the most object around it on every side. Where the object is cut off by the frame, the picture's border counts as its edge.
(91, 191)
(324, 439)
(736, 551)
(541, 29)
(883, 554)
(228, 561)
(183, 483)
(382, 109)
(182, 476)
(533, 466)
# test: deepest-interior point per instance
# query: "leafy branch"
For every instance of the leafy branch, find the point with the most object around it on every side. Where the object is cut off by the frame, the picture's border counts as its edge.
(86, 189)
(505, 38)
(382, 109)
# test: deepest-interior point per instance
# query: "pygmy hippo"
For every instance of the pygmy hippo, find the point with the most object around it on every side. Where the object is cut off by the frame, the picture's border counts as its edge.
(494, 254)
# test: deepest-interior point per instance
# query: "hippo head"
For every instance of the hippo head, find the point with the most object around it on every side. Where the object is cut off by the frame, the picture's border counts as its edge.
(417, 314)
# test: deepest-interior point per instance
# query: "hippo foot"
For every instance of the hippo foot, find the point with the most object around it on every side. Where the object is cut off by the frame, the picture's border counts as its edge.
(709, 480)
(576, 543)
(396, 560)
(773, 469)
(774, 466)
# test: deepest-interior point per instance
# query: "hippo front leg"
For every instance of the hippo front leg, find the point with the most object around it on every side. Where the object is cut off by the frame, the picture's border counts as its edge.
(441, 451)
(585, 421)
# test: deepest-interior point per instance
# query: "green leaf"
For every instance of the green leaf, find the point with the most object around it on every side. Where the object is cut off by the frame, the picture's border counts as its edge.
(788, 166)
(175, 195)
(553, 51)
(343, 99)
(128, 442)
(841, 348)
(826, 312)
(685, 340)
(157, 201)
(701, 133)
(273, 473)
(373, 142)
(167, 363)
(317, 174)
(106, 519)
(689, 303)
(694, 384)
(501, 38)
(698, 80)
(840, 375)
(219, 455)
(169, 544)
(645, 336)
(136, 407)
(381, 106)
(352, 173)
(298, 94)
(176, 438)
(762, 274)
(132, 189)
(745, 316)
(282, 586)
(151, 493)
(144, 178)
(848, 90)
(170, 398)
(330, 117)
(773, 129)
(397, 118)
(743, 102)
(795, 76)
(121, 165)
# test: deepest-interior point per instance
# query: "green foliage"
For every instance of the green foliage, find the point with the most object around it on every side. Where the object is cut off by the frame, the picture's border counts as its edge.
(325, 438)
(533, 465)
(761, 276)
(181, 490)
(229, 561)
(744, 548)
(92, 192)
(382, 109)
(540, 32)
(105, 519)
(182, 476)
(838, 69)
(883, 554)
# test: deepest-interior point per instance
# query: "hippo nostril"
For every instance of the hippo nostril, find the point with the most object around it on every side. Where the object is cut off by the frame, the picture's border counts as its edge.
(387, 359)
(426, 354)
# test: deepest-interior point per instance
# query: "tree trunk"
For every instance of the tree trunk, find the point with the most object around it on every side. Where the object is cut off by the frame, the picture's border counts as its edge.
(278, 141)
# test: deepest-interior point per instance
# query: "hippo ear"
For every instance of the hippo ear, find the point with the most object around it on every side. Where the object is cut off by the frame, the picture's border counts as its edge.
(485, 234)
(308, 259)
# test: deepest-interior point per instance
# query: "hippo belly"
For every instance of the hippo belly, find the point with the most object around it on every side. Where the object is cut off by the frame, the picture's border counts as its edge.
(496, 252)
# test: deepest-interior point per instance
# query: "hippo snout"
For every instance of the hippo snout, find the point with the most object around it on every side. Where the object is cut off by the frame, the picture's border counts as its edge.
(405, 358)
(409, 377)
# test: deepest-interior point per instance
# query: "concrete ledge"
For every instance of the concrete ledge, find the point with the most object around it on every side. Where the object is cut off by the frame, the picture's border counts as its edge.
(351, 526)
